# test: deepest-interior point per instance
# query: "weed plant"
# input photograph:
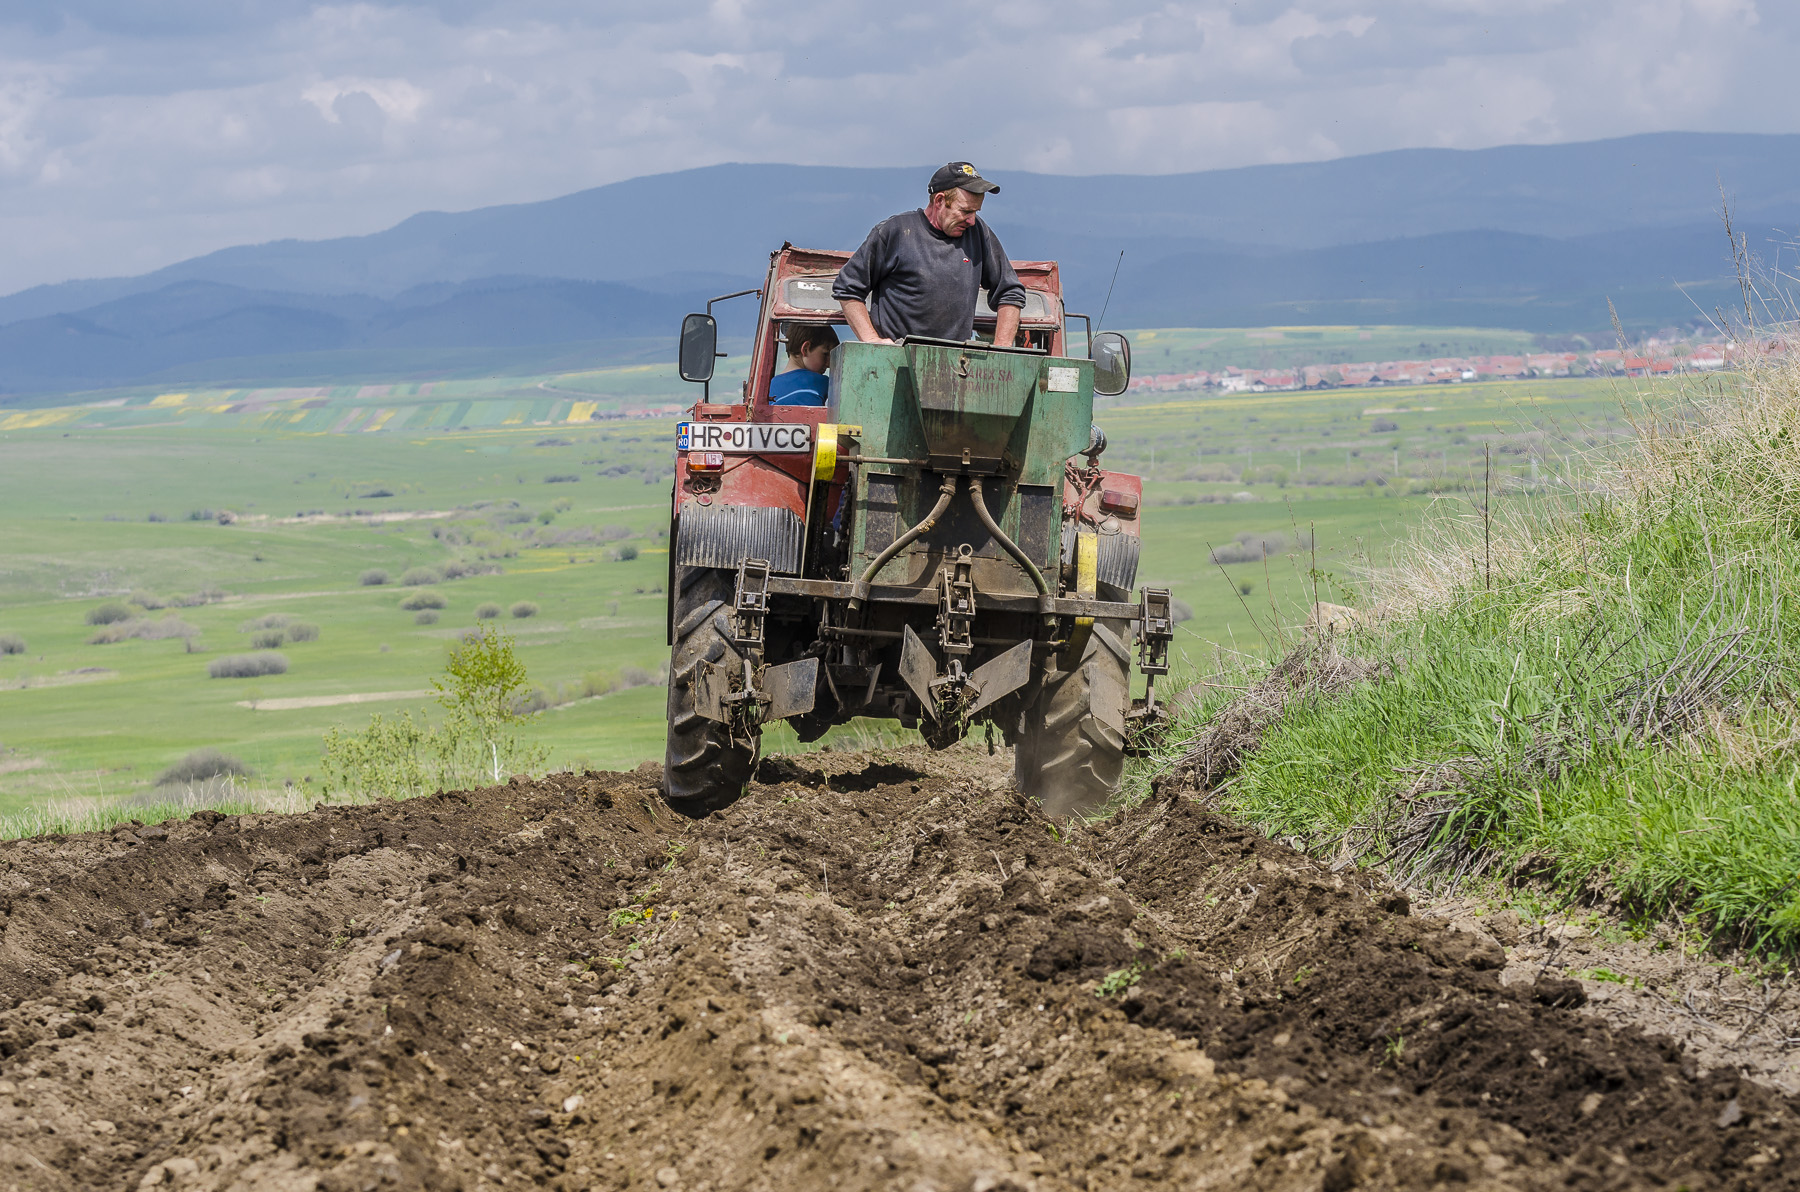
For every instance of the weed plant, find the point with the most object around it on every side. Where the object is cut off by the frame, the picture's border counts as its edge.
(1602, 690)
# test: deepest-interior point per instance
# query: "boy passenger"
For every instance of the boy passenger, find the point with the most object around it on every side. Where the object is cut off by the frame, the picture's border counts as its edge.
(809, 353)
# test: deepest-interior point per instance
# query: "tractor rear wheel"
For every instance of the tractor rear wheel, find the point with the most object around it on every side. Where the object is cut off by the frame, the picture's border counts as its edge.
(1071, 750)
(704, 766)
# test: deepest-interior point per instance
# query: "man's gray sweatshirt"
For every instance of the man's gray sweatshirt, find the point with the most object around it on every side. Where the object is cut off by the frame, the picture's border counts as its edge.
(918, 281)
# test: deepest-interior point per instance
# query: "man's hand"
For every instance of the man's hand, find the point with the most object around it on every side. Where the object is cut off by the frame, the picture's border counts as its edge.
(1006, 326)
(856, 313)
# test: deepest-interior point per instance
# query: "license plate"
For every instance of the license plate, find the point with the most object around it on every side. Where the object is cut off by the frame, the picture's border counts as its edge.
(745, 438)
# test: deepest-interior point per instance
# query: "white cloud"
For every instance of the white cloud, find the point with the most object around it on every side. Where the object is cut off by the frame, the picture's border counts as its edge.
(134, 135)
(396, 99)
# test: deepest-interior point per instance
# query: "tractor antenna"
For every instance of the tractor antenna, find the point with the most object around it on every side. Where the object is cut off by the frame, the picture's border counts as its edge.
(1109, 289)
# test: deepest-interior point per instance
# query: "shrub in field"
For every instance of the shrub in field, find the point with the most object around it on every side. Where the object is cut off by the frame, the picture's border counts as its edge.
(302, 631)
(425, 616)
(523, 609)
(562, 478)
(487, 611)
(201, 765)
(424, 599)
(374, 577)
(1254, 547)
(268, 621)
(267, 639)
(247, 666)
(108, 613)
(476, 743)
(11, 643)
(627, 553)
(207, 595)
(143, 628)
(418, 577)
(148, 601)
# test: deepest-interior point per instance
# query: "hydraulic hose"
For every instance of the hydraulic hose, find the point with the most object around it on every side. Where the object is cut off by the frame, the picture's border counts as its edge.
(1011, 547)
(946, 491)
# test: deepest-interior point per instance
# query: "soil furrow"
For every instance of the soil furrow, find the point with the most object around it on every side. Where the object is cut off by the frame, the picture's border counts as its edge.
(890, 974)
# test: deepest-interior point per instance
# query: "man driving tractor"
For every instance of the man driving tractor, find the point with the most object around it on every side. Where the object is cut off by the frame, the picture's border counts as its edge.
(920, 272)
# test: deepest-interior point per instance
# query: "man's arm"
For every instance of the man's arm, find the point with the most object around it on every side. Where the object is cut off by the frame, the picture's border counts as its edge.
(856, 313)
(1006, 294)
(856, 280)
(1006, 326)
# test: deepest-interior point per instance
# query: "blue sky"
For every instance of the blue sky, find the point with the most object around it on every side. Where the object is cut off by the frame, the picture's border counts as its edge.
(134, 133)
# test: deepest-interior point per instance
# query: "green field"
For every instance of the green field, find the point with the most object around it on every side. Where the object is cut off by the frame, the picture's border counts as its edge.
(107, 501)
(1188, 349)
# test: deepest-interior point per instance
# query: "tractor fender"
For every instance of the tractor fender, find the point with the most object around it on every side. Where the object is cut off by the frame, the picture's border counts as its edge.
(1113, 509)
(757, 511)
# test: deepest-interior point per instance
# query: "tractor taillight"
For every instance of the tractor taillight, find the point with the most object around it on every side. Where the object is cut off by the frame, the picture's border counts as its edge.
(705, 461)
(1116, 500)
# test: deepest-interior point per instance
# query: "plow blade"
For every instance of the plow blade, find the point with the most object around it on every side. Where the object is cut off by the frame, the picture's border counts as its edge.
(791, 688)
(712, 692)
(1000, 676)
(918, 668)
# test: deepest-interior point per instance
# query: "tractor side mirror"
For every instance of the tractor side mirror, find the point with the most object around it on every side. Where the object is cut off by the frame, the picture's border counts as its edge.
(1111, 354)
(699, 344)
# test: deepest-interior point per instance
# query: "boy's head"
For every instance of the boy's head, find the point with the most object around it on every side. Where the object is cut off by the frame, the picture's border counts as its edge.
(809, 344)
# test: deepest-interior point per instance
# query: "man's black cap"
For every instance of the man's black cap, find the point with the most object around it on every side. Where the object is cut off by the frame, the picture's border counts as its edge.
(960, 175)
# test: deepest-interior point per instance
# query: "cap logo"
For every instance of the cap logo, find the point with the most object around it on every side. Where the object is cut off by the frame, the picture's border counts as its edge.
(967, 168)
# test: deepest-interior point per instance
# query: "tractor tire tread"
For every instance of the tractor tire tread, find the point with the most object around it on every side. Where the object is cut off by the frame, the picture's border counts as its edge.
(704, 768)
(1074, 737)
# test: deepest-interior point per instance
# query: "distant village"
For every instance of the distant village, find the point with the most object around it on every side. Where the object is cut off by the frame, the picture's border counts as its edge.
(1652, 358)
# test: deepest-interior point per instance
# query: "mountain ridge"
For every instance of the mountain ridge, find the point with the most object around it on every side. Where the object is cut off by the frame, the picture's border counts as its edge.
(1532, 237)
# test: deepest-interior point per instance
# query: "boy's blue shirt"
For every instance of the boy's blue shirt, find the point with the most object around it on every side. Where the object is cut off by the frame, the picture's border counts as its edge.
(799, 387)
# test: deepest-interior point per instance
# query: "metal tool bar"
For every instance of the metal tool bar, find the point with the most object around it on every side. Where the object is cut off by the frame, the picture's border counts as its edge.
(1062, 606)
(882, 459)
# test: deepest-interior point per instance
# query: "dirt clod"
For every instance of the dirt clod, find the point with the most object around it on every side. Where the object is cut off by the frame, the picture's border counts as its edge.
(889, 974)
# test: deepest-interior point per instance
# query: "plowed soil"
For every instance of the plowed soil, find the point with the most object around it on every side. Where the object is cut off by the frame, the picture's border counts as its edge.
(869, 974)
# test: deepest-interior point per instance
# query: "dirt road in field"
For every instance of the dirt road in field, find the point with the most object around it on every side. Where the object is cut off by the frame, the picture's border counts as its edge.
(870, 974)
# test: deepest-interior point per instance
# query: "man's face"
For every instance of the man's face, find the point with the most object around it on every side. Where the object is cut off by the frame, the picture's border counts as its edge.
(953, 211)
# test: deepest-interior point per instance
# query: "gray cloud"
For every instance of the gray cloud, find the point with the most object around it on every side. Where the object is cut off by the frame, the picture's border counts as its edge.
(134, 134)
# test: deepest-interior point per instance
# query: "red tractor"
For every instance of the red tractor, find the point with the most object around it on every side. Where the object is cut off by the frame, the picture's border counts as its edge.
(937, 544)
